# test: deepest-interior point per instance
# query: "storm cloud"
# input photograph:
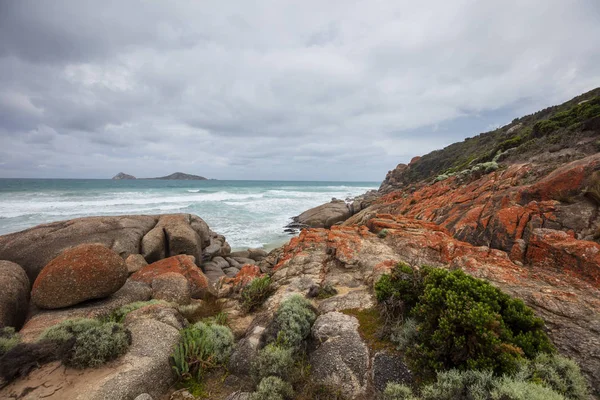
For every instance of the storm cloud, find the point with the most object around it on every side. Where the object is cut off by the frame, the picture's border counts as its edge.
(332, 90)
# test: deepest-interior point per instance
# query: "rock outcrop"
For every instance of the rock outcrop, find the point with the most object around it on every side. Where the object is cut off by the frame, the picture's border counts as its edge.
(122, 176)
(155, 237)
(14, 296)
(85, 272)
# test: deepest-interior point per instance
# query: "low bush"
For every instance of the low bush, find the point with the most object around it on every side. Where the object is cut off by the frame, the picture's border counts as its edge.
(475, 385)
(272, 388)
(201, 347)
(274, 360)
(463, 322)
(382, 234)
(559, 374)
(405, 334)
(94, 342)
(255, 293)
(9, 338)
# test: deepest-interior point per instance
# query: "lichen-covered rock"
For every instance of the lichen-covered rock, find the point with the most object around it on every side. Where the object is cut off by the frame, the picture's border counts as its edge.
(172, 287)
(245, 352)
(342, 358)
(14, 296)
(183, 265)
(85, 272)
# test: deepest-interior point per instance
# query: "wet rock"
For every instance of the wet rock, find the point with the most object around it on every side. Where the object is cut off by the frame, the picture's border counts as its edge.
(88, 271)
(14, 296)
(325, 215)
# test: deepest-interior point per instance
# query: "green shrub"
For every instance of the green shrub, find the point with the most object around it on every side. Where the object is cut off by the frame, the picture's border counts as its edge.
(462, 322)
(8, 339)
(293, 321)
(255, 293)
(95, 342)
(119, 314)
(544, 127)
(558, 373)
(274, 360)
(272, 388)
(201, 347)
(457, 385)
(467, 323)
(396, 391)
(404, 284)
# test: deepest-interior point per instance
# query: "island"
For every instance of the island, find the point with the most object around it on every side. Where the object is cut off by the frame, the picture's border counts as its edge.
(174, 176)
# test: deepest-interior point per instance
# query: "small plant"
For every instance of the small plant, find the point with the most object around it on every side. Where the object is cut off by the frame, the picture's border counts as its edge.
(293, 321)
(274, 360)
(8, 339)
(382, 234)
(94, 342)
(273, 388)
(119, 314)
(201, 347)
(255, 293)
(396, 391)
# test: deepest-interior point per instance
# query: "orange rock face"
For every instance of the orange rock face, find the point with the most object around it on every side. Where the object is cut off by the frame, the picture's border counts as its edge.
(85, 272)
(181, 264)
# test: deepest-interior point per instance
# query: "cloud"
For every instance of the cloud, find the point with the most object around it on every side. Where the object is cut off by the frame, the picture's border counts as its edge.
(275, 90)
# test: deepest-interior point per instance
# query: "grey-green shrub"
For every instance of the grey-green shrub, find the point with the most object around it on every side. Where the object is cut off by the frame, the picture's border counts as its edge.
(396, 391)
(405, 334)
(274, 360)
(294, 319)
(9, 338)
(455, 385)
(273, 388)
(94, 342)
(219, 339)
(560, 374)
(510, 389)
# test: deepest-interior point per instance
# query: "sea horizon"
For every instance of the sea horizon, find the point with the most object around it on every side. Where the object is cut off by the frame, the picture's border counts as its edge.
(249, 213)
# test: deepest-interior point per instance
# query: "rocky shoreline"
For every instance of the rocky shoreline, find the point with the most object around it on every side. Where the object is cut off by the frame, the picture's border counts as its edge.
(527, 226)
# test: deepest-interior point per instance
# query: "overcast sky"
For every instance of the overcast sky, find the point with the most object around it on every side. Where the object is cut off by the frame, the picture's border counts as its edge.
(309, 90)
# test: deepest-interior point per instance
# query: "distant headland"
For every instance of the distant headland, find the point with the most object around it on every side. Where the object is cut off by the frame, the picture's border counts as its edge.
(173, 176)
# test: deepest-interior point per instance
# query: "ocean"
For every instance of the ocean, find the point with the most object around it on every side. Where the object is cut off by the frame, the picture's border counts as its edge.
(247, 213)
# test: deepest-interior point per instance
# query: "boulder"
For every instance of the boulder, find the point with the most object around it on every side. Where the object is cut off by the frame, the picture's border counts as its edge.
(257, 254)
(342, 358)
(245, 352)
(172, 287)
(387, 368)
(183, 265)
(35, 247)
(172, 235)
(325, 215)
(159, 312)
(135, 262)
(14, 296)
(85, 272)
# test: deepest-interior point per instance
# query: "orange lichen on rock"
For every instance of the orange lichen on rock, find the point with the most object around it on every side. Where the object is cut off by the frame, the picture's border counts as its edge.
(181, 264)
(560, 251)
